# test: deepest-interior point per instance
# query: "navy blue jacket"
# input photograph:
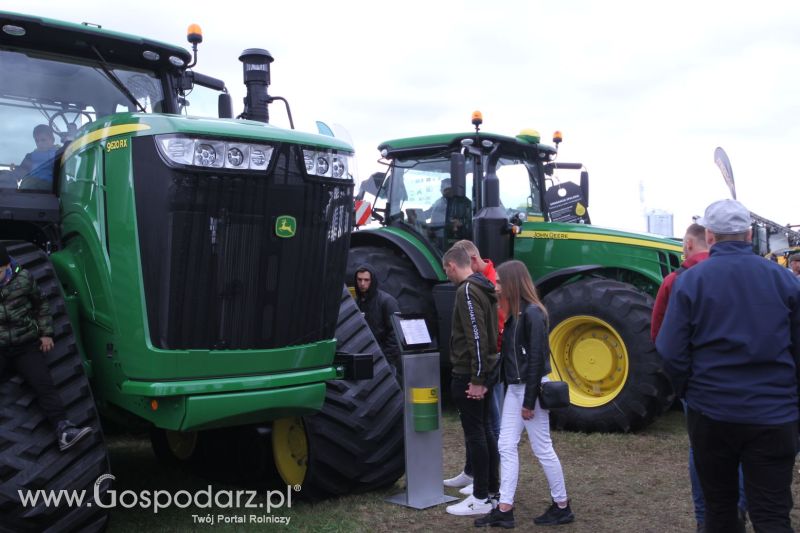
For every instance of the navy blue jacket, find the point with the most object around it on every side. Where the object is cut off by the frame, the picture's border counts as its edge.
(730, 337)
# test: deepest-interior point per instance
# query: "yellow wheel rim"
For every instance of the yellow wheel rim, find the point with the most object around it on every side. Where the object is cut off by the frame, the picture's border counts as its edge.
(290, 449)
(591, 357)
(182, 444)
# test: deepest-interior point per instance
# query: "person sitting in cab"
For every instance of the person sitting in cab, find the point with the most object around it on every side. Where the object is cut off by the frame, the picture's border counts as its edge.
(38, 167)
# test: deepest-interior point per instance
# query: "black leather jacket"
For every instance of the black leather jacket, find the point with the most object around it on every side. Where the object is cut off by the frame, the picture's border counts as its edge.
(526, 351)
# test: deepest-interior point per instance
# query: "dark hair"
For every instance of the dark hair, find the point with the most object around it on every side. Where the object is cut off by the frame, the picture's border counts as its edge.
(4, 257)
(516, 284)
(359, 270)
(468, 247)
(43, 128)
(719, 237)
(457, 255)
(698, 232)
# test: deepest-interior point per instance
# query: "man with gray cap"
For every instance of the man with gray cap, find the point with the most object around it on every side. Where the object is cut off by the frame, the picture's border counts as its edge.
(731, 345)
(794, 263)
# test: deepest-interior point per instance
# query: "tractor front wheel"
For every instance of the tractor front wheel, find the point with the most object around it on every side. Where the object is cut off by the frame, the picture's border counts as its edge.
(355, 443)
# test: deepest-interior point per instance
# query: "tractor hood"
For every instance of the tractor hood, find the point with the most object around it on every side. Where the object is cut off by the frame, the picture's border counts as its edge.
(555, 230)
(138, 124)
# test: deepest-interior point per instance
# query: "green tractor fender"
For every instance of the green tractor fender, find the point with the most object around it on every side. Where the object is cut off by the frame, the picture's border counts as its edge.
(552, 281)
(425, 261)
(406, 268)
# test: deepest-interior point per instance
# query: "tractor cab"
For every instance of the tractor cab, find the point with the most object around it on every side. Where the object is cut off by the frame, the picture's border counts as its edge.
(59, 78)
(507, 195)
(477, 186)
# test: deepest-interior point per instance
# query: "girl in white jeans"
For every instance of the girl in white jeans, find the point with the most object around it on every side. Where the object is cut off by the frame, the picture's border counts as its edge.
(526, 363)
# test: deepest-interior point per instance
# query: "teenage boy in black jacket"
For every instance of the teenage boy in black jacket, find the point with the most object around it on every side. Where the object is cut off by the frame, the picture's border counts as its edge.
(473, 354)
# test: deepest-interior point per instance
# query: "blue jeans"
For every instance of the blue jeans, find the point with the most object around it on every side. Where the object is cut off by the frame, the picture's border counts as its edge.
(496, 407)
(697, 491)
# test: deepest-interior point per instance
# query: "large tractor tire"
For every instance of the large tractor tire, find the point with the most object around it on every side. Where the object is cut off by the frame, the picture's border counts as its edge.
(29, 456)
(600, 343)
(355, 443)
(398, 276)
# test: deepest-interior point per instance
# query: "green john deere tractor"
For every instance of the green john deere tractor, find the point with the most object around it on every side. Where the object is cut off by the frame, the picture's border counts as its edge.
(193, 266)
(503, 193)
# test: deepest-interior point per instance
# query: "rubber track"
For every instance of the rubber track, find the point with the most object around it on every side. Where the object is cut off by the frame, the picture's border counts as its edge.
(356, 441)
(29, 454)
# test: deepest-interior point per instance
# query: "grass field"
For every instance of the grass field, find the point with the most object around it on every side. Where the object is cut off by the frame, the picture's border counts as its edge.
(617, 483)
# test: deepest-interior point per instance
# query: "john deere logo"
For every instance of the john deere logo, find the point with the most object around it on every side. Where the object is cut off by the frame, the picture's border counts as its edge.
(285, 226)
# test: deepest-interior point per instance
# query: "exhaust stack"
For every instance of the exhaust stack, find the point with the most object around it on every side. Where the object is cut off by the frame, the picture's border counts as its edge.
(256, 63)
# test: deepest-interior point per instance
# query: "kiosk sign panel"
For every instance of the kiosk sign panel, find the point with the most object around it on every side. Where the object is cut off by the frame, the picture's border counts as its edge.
(422, 428)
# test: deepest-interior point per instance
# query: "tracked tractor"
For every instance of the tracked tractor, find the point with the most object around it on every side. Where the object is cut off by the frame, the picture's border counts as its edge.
(506, 194)
(193, 263)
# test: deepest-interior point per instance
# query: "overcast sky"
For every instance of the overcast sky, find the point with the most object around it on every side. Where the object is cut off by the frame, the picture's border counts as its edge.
(642, 91)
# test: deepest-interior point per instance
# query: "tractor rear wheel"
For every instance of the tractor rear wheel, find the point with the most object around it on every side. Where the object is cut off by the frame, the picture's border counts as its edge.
(29, 456)
(600, 343)
(355, 443)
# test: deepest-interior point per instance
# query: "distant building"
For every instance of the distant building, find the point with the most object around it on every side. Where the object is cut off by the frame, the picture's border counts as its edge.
(659, 222)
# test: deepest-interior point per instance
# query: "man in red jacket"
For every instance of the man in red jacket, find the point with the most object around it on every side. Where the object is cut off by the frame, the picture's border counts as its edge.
(695, 250)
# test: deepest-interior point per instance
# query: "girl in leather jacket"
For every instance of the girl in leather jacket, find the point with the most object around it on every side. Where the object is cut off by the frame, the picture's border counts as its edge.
(526, 362)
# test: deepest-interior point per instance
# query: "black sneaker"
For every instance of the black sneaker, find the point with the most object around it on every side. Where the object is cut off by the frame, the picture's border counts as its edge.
(555, 516)
(69, 435)
(496, 518)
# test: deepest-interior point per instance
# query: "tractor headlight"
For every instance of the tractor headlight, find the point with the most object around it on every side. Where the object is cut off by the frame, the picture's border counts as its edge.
(328, 164)
(208, 153)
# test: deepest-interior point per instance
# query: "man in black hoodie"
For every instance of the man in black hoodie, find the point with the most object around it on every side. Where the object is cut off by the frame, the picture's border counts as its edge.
(378, 307)
(473, 353)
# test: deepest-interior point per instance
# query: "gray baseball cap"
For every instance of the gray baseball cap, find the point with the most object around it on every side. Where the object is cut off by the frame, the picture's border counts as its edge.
(794, 257)
(726, 217)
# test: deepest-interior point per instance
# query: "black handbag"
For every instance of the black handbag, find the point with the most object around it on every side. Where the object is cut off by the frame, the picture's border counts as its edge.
(554, 395)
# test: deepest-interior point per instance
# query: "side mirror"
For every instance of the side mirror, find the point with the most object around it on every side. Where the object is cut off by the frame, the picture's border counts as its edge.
(458, 174)
(225, 106)
(377, 179)
(585, 187)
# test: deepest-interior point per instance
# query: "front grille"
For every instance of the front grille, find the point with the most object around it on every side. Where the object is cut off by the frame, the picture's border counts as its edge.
(216, 274)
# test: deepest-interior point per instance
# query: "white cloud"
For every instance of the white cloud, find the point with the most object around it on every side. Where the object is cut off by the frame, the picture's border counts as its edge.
(643, 92)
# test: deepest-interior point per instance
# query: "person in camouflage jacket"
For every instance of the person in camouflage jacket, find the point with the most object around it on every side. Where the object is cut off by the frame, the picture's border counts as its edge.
(24, 314)
(26, 333)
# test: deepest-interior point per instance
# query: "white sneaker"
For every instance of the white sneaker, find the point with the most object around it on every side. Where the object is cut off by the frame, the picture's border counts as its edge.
(461, 480)
(466, 491)
(470, 506)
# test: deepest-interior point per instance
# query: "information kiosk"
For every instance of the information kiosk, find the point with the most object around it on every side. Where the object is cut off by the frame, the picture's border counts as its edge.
(423, 413)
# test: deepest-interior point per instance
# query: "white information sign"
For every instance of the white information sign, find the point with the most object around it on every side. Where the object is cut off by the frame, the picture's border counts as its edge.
(415, 331)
